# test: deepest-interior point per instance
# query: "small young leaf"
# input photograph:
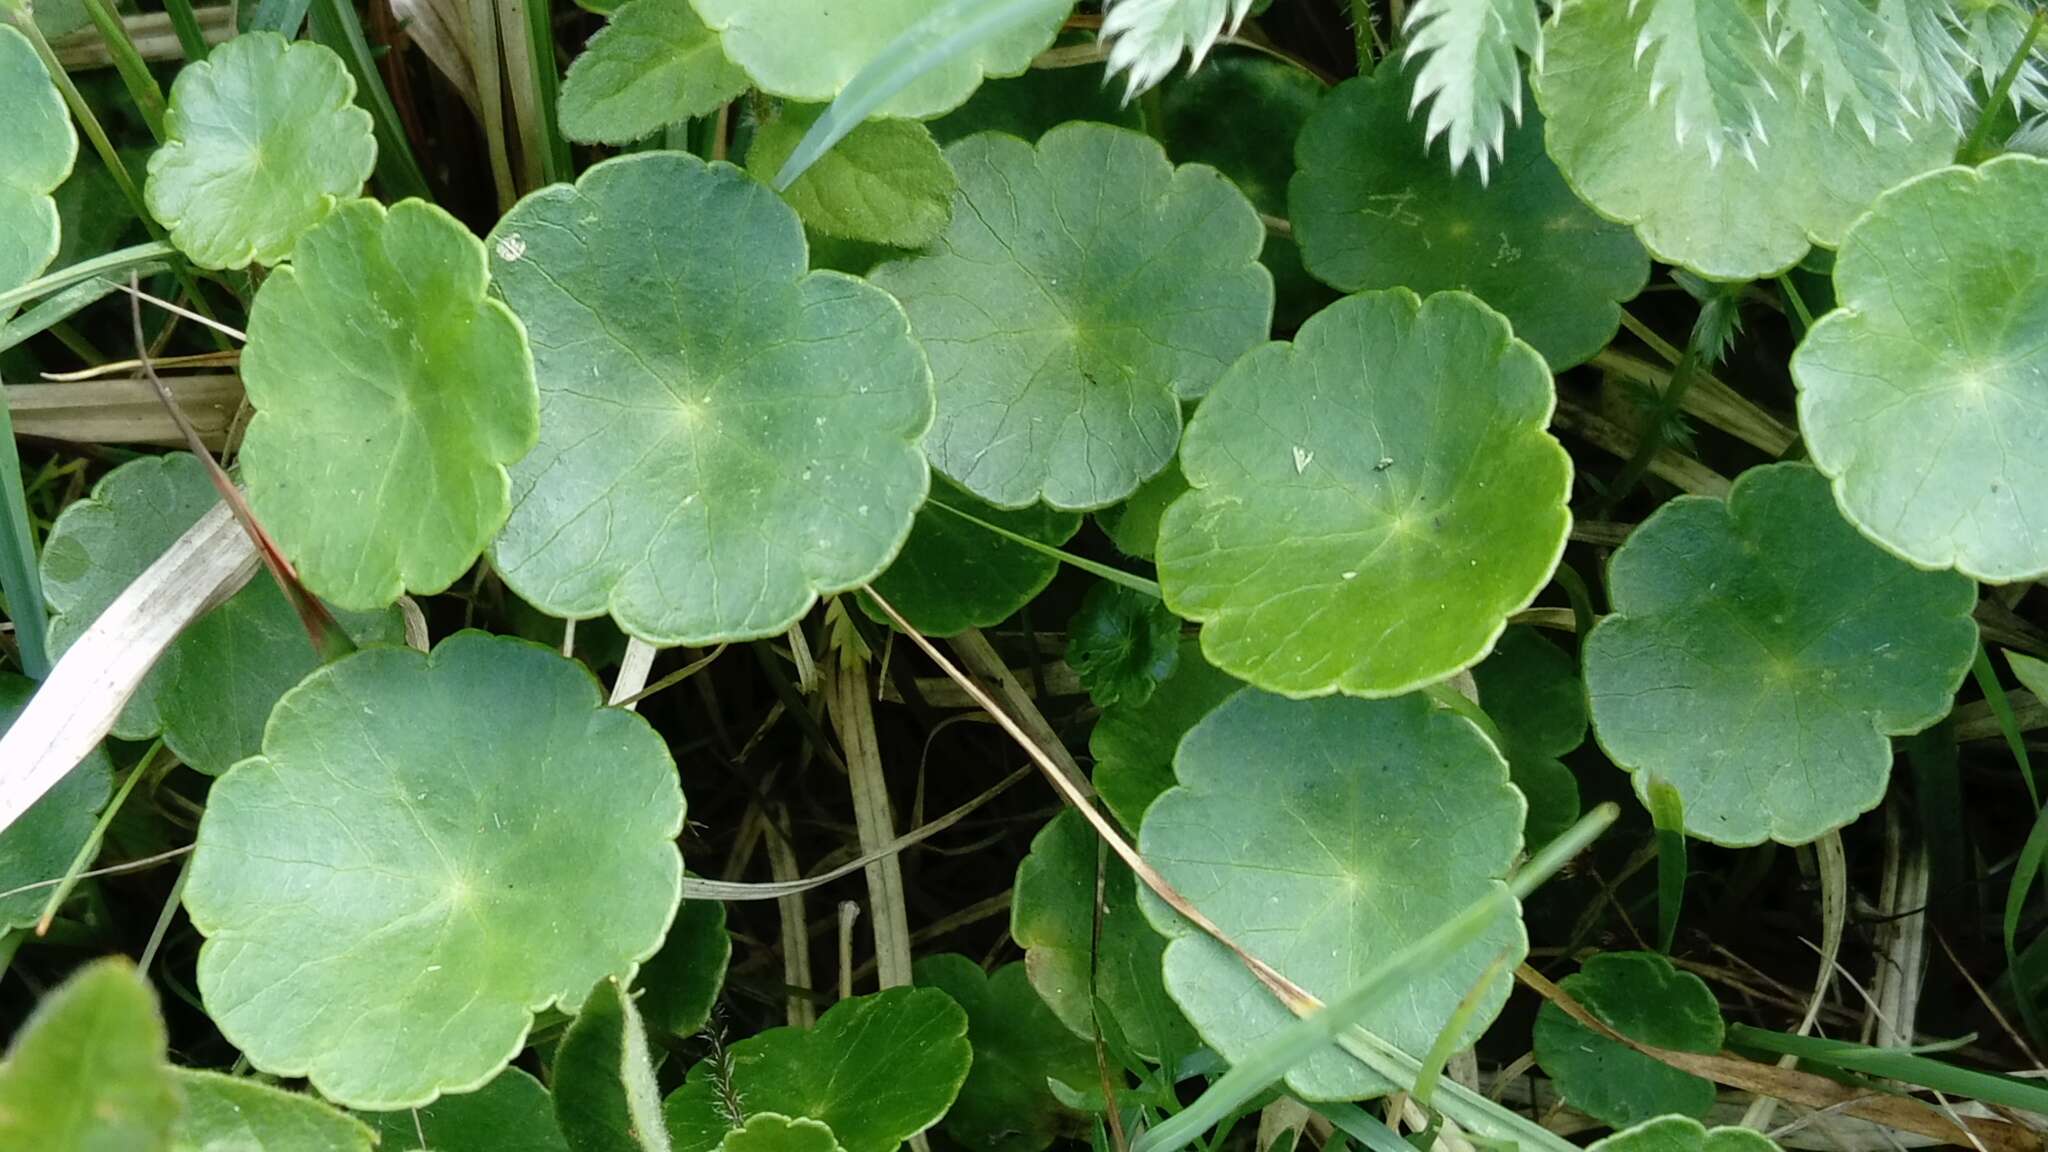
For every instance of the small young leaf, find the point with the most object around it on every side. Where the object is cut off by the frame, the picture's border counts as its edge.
(1133, 744)
(1069, 310)
(512, 1113)
(42, 844)
(1683, 1134)
(876, 1070)
(605, 1096)
(262, 139)
(390, 394)
(1531, 691)
(679, 984)
(1924, 395)
(1005, 1105)
(1121, 644)
(1371, 502)
(429, 838)
(1761, 652)
(953, 575)
(770, 1132)
(86, 1073)
(231, 1114)
(885, 183)
(653, 65)
(36, 153)
(1133, 526)
(1641, 996)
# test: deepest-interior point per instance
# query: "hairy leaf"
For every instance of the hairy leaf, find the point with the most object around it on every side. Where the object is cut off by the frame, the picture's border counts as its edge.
(1148, 37)
(885, 183)
(86, 1072)
(1471, 73)
(234, 1114)
(605, 1095)
(653, 64)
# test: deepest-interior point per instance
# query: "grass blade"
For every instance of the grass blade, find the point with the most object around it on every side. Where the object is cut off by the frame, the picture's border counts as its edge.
(19, 578)
(185, 22)
(134, 71)
(1896, 1064)
(120, 260)
(1129, 580)
(1667, 810)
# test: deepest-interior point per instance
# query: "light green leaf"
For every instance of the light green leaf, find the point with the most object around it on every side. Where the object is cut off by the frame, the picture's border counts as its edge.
(1471, 75)
(1005, 1104)
(1122, 643)
(41, 845)
(1641, 996)
(679, 985)
(1670, 116)
(35, 156)
(885, 183)
(1371, 502)
(2031, 673)
(261, 140)
(512, 1113)
(1683, 1134)
(953, 575)
(1531, 691)
(653, 65)
(464, 838)
(211, 692)
(86, 1073)
(1052, 917)
(725, 438)
(1759, 654)
(605, 1095)
(1132, 745)
(1925, 394)
(1147, 38)
(390, 395)
(876, 1070)
(227, 1114)
(1372, 209)
(1282, 831)
(769, 1132)
(808, 50)
(1070, 309)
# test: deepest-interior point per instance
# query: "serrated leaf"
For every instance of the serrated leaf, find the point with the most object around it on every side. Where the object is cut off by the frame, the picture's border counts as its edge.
(429, 838)
(726, 437)
(1471, 73)
(1132, 745)
(1924, 395)
(1371, 502)
(1669, 115)
(885, 183)
(769, 1132)
(876, 1070)
(1068, 314)
(1531, 691)
(1281, 831)
(390, 395)
(653, 64)
(230, 1114)
(1005, 1104)
(41, 845)
(1683, 1134)
(1372, 209)
(86, 1072)
(606, 1099)
(1761, 652)
(953, 575)
(679, 984)
(512, 1113)
(808, 50)
(1147, 38)
(1641, 996)
(36, 154)
(261, 140)
(1122, 643)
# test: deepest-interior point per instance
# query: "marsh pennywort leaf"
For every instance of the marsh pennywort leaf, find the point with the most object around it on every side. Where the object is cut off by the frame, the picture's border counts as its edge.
(235, 1114)
(680, 983)
(606, 1099)
(1734, 180)
(1314, 832)
(1371, 502)
(1761, 652)
(261, 140)
(212, 690)
(953, 574)
(808, 50)
(1132, 744)
(1532, 692)
(876, 1070)
(86, 1072)
(1035, 102)
(1924, 395)
(771, 1132)
(1641, 996)
(35, 156)
(1133, 526)
(390, 394)
(654, 64)
(1005, 1105)
(1373, 209)
(725, 437)
(1683, 1134)
(512, 1113)
(42, 844)
(1085, 288)
(429, 850)
(1122, 643)
(1052, 917)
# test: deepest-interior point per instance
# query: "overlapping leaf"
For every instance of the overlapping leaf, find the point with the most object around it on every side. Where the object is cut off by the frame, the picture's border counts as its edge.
(40, 846)
(953, 575)
(1004, 1105)
(1471, 74)
(885, 183)
(512, 1113)
(1133, 744)
(606, 1099)
(1531, 691)
(654, 64)
(680, 983)
(1641, 996)
(35, 156)
(86, 1072)
(236, 1114)
(1683, 1134)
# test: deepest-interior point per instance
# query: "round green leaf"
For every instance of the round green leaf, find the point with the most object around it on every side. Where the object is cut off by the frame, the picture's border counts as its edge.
(41, 845)
(1371, 502)
(233, 1114)
(1052, 917)
(86, 1073)
(606, 1099)
(1925, 394)
(809, 49)
(885, 183)
(390, 394)
(680, 983)
(262, 138)
(1532, 692)
(1641, 996)
(211, 692)
(462, 839)
(1761, 651)
(1122, 643)
(1085, 288)
(1281, 830)
(725, 438)
(512, 1113)
(953, 575)
(1132, 744)
(876, 1070)
(769, 1132)
(1683, 1134)
(1676, 119)
(36, 153)
(1005, 1105)
(654, 64)
(1372, 208)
